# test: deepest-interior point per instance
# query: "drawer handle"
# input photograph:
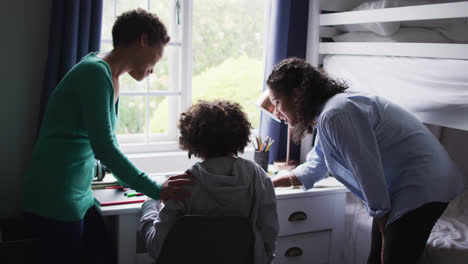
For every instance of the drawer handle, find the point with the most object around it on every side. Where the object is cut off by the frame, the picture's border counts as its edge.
(293, 252)
(297, 216)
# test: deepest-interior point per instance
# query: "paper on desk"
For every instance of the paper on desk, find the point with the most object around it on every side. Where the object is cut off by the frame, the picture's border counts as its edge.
(328, 182)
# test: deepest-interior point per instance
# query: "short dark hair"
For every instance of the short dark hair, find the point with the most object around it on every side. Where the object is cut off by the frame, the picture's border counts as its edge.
(130, 25)
(314, 87)
(214, 129)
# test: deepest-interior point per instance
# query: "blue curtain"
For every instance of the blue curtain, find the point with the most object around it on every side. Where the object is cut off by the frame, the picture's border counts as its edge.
(286, 37)
(75, 30)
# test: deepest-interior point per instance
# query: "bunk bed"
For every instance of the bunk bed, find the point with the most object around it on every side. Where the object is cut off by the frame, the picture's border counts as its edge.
(415, 53)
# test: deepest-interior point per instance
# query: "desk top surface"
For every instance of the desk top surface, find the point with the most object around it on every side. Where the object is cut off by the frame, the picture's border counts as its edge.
(326, 186)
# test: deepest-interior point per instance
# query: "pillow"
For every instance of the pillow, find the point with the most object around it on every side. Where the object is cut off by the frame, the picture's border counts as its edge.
(416, 35)
(380, 28)
(386, 28)
(455, 29)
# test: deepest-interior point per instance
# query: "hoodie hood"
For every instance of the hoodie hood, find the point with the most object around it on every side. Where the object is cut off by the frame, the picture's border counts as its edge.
(225, 185)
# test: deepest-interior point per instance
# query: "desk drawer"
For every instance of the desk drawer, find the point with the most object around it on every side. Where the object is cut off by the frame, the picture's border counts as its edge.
(306, 214)
(305, 248)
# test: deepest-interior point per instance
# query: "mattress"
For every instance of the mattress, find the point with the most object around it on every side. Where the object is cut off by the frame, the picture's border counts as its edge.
(434, 90)
(448, 242)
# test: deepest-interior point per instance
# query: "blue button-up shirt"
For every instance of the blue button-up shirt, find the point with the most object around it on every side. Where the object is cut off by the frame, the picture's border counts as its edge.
(382, 154)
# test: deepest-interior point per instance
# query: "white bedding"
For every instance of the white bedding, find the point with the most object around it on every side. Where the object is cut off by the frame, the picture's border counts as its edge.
(448, 242)
(434, 90)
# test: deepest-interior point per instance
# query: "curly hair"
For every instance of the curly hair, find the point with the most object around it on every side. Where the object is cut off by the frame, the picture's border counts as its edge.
(314, 89)
(130, 25)
(214, 129)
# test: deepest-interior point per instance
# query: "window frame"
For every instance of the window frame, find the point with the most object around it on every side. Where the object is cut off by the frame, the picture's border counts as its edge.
(179, 87)
(160, 153)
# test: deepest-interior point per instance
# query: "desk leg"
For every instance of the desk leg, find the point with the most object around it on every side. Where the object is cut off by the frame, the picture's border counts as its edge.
(338, 235)
(126, 239)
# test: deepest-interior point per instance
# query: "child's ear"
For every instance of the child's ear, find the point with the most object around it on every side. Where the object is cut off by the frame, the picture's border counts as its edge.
(144, 40)
(296, 92)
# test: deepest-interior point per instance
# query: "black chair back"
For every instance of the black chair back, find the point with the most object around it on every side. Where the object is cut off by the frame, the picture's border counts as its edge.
(209, 239)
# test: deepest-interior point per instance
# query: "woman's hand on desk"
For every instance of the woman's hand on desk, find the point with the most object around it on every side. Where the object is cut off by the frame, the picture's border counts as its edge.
(286, 180)
(171, 188)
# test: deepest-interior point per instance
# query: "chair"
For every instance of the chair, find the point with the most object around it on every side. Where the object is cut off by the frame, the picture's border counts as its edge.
(208, 239)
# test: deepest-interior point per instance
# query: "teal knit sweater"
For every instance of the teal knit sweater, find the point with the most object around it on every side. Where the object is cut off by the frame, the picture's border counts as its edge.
(78, 127)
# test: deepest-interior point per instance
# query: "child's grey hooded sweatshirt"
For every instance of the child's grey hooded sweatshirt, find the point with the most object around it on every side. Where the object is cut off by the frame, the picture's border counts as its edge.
(223, 186)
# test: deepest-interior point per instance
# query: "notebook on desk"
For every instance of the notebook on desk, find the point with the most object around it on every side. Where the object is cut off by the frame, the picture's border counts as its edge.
(328, 182)
(106, 197)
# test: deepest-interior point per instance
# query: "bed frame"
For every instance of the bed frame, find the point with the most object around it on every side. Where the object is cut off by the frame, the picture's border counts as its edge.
(321, 26)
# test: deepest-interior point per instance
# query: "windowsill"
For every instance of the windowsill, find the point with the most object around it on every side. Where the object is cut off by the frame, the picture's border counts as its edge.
(170, 162)
(162, 164)
(150, 148)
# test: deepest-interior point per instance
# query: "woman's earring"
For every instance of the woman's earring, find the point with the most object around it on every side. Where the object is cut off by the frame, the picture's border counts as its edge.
(189, 155)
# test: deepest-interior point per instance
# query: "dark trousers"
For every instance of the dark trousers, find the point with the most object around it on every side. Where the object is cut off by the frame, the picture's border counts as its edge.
(405, 238)
(83, 241)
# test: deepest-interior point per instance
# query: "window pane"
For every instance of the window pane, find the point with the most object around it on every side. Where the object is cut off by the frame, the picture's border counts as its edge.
(107, 19)
(161, 9)
(170, 14)
(127, 83)
(159, 114)
(132, 115)
(126, 5)
(228, 52)
(106, 47)
(159, 79)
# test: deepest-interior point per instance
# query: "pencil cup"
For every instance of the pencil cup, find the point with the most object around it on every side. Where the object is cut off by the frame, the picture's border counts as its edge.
(261, 158)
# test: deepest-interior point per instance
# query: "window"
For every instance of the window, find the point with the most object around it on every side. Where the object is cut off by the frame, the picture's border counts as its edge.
(215, 52)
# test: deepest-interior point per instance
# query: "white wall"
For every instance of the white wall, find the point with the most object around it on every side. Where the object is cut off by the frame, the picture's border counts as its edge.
(24, 26)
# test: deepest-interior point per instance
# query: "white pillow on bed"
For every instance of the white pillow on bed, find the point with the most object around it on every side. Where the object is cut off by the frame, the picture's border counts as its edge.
(380, 28)
(389, 28)
(415, 35)
(454, 29)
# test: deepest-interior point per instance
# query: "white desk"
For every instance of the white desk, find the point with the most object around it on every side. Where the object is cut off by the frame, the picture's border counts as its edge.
(316, 236)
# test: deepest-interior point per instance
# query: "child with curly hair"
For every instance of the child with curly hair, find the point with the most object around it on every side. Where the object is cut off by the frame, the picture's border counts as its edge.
(225, 184)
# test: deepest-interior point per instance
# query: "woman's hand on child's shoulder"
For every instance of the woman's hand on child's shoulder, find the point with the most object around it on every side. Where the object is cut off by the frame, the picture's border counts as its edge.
(171, 188)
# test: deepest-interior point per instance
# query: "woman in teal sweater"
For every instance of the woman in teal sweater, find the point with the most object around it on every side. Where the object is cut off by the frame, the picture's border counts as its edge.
(79, 127)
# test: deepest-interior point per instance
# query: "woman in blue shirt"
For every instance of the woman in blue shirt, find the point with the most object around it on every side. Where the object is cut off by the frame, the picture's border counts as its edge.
(378, 150)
